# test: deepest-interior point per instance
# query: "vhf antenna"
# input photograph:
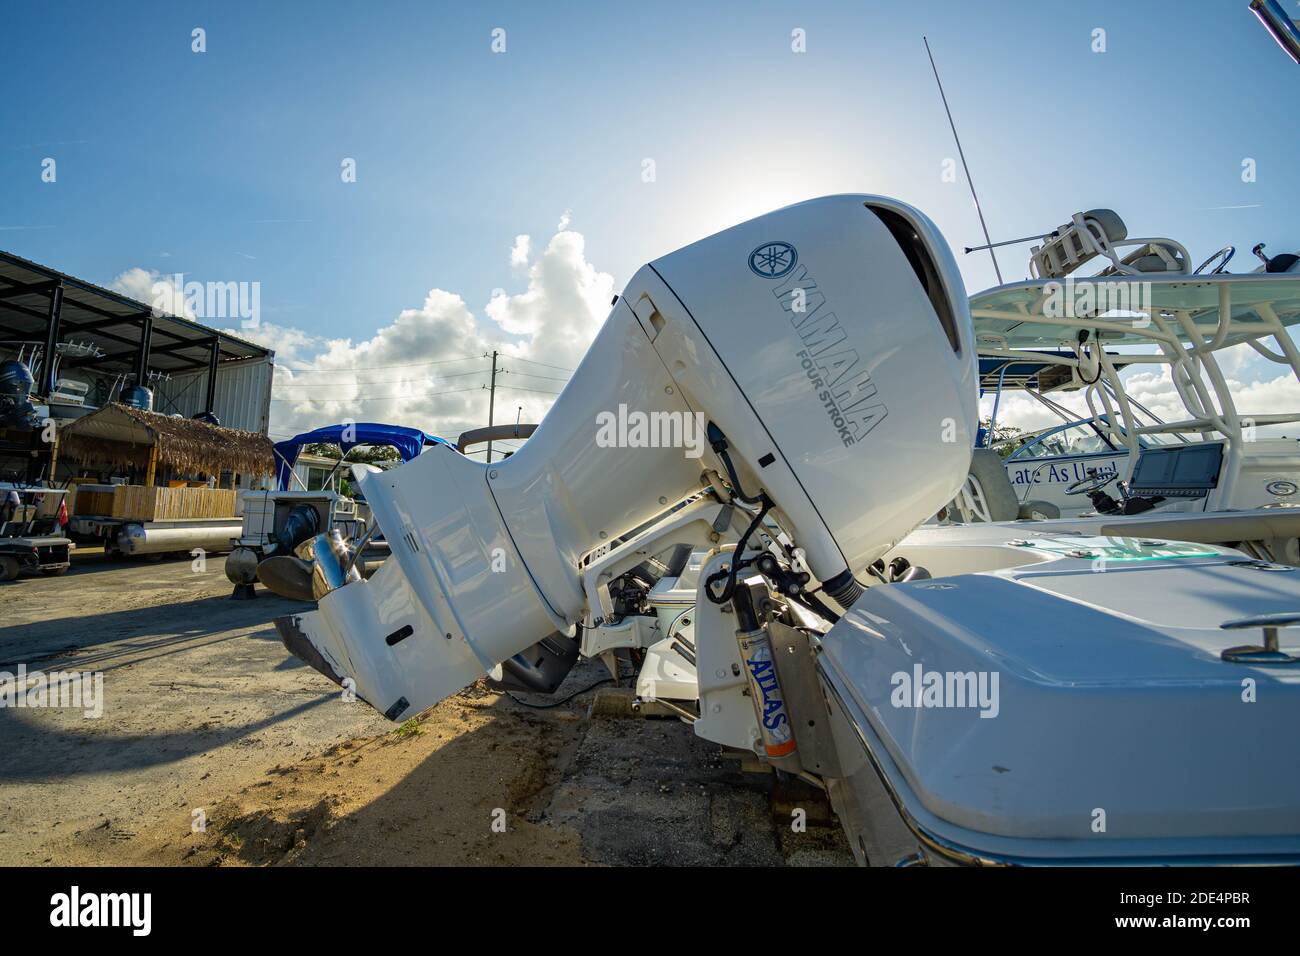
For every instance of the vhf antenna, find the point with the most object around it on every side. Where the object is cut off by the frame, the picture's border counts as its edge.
(970, 182)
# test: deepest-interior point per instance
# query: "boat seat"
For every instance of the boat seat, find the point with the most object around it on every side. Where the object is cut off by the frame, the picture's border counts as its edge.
(1087, 236)
(988, 469)
(1100, 232)
(1151, 257)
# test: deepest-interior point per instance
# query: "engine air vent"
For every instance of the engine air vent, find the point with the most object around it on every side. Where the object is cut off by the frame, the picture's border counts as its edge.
(918, 257)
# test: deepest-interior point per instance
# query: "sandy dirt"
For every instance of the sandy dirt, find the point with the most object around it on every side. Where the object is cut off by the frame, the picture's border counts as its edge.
(217, 747)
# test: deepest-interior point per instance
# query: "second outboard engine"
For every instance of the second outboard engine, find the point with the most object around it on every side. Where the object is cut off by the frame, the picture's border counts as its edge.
(286, 566)
(302, 522)
(16, 407)
(137, 396)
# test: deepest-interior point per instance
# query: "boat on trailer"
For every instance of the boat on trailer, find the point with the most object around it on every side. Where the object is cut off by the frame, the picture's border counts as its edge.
(277, 521)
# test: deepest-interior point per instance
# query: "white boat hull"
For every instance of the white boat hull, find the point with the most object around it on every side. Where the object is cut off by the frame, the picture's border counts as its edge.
(1050, 711)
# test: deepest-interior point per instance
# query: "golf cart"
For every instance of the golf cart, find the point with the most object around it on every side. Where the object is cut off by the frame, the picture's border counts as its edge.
(31, 531)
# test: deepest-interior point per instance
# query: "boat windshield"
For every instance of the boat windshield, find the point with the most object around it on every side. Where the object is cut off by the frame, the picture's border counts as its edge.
(1082, 438)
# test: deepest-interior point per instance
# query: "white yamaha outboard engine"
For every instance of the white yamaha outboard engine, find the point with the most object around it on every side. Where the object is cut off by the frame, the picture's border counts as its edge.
(821, 354)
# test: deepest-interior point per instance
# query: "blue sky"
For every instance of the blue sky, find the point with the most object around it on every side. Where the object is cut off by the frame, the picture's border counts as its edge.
(225, 165)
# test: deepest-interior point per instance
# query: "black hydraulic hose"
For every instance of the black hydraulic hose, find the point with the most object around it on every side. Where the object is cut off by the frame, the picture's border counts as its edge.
(813, 603)
(683, 652)
(844, 592)
(1083, 337)
(577, 693)
(563, 700)
(732, 573)
(718, 442)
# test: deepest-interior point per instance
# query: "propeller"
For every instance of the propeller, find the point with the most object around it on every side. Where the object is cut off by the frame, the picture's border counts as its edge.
(287, 576)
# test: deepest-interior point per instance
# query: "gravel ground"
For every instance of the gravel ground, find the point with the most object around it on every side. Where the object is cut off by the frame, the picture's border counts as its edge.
(217, 747)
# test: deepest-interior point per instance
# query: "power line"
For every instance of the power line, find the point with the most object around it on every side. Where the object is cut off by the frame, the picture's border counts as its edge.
(357, 368)
(387, 398)
(496, 443)
(414, 381)
(549, 378)
(520, 388)
(389, 381)
(467, 358)
(520, 358)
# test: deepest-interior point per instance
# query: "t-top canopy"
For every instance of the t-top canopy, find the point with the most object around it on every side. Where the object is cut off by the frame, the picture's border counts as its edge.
(1038, 314)
(409, 442)
(1035, 370)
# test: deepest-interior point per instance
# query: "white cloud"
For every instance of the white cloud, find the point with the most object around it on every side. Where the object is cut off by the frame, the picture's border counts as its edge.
(565, 219)
(564, 304)
(290, 345)
(160, 292)
(519, 253)
(391, 376)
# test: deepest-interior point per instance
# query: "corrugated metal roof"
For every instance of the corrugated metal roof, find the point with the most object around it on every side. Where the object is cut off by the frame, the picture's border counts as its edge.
(108, 320)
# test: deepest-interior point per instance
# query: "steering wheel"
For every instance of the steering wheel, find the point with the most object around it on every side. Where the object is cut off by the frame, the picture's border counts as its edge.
(1095, 481)
(1225, 255)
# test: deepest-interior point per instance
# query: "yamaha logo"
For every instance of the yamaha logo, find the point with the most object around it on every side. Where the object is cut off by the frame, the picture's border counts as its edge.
(772, 260)
(1281, 489)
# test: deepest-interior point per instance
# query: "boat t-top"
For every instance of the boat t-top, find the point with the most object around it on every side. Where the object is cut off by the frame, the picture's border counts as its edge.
(1061, 332)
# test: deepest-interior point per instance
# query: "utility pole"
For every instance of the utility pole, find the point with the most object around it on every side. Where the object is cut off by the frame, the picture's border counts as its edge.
(492, 401)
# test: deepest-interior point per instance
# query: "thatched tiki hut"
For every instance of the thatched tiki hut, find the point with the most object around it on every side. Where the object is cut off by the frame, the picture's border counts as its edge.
(120, 438)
